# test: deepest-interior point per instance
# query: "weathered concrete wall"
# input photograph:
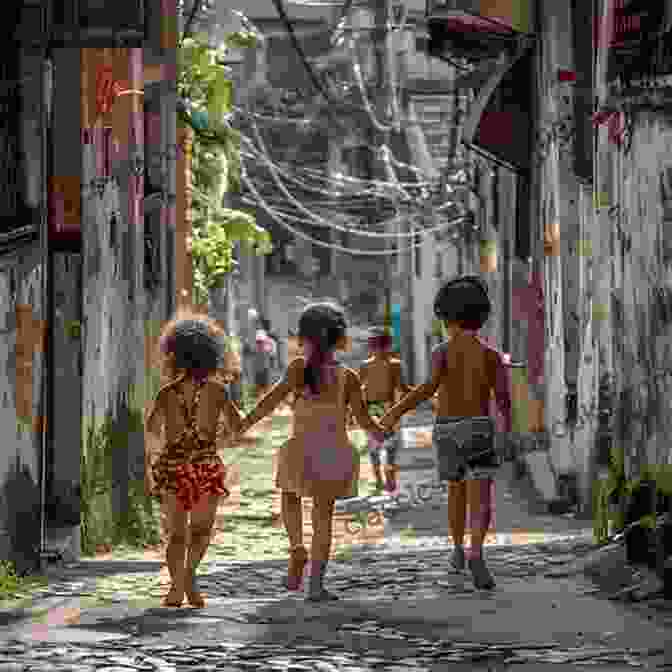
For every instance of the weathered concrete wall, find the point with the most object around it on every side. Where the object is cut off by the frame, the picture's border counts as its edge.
(23, 322)
(22, 318)
(119, 311)
(642, 299)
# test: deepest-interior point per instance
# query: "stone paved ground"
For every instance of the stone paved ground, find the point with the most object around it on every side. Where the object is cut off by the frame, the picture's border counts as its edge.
(401, 607)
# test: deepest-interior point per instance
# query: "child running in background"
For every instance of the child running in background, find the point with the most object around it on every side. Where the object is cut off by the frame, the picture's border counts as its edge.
(381, 377)
(189, 475)
(466, 371)
(318, 460)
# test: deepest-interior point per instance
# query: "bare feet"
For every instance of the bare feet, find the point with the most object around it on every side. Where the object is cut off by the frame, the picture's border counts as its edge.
(194, 597)
(174, 598)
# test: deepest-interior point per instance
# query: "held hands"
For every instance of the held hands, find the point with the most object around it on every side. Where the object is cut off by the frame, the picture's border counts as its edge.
(388, 425)
(385, 432)
(243, 426)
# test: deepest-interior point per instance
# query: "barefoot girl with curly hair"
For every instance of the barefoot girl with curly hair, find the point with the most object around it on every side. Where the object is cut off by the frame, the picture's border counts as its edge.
(189, 475)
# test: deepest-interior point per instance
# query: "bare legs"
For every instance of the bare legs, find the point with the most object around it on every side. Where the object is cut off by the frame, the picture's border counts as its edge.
(457, 510)
(374, 456)
(474, 496)
(200, 533)
(176, 526)
(322, 514)
(183, 559)
(322, 517)
(480, 513)
(292, 516)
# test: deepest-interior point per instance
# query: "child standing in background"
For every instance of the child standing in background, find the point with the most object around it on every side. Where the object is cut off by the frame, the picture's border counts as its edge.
(189, 475)
(382, 379)
(265, 351)
(466, 371)
(318, 460)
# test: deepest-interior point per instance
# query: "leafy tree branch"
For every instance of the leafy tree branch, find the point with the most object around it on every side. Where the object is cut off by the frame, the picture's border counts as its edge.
(206, 102)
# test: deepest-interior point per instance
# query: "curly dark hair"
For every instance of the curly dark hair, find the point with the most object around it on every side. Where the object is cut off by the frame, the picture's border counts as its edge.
(324, 325)
(193, 342)
(464, 301)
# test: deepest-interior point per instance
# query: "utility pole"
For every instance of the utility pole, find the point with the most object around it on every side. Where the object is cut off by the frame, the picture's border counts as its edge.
(380, 38)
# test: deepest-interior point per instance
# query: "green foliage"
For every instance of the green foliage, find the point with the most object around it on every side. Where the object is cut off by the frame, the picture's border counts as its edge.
(138, 525)
(14, 587)
(600, 511)
(241, 40)
(203, 82)
(617, 488)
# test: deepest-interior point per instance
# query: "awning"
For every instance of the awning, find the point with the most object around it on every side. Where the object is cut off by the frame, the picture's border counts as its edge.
(500, 125)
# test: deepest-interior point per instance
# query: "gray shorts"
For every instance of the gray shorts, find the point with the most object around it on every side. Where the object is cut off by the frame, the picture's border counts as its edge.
(464, 448)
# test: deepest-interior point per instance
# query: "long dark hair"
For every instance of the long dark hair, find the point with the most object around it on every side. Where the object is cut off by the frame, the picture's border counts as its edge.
(322, 325)
(465, 301)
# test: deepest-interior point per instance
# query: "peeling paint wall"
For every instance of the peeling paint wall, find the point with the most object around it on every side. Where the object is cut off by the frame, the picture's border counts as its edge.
(22, 318)
(22, 322)
(122, 315)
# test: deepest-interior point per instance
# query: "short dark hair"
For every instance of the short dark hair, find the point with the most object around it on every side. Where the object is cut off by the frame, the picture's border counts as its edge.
(464, 301)
(379, 339)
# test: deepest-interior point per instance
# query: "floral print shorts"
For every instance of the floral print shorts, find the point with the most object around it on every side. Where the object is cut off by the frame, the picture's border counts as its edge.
(189, 480)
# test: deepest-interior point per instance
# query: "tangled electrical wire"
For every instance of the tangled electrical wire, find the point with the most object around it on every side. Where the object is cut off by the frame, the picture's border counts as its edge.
(259, 151)
(382, 204)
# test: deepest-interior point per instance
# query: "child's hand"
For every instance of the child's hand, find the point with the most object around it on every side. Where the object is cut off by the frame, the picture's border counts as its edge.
(243, 427)
(388, 425)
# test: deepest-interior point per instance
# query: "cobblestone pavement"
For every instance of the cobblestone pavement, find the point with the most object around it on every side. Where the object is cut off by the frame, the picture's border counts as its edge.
(402, 607)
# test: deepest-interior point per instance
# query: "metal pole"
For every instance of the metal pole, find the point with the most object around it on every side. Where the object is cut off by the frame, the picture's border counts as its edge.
(380, 36)
(45, 118)
(505, 222)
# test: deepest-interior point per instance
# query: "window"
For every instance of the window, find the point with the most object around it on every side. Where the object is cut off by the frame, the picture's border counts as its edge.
(101, 20)
(117, 16)
(17, 218)
(582, 17)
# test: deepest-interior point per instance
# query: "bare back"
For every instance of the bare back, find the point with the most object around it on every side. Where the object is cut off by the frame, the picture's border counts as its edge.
(468, 379)
(213, 401)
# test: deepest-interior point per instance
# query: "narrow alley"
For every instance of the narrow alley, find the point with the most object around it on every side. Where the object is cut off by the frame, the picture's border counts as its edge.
(402, 605)
(241, 241)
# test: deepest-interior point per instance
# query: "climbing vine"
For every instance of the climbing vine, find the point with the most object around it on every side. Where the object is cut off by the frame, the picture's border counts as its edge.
(205, 94)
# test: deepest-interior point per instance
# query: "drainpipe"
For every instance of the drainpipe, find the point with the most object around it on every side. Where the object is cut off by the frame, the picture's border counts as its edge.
(506, 220)
(46, 106)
